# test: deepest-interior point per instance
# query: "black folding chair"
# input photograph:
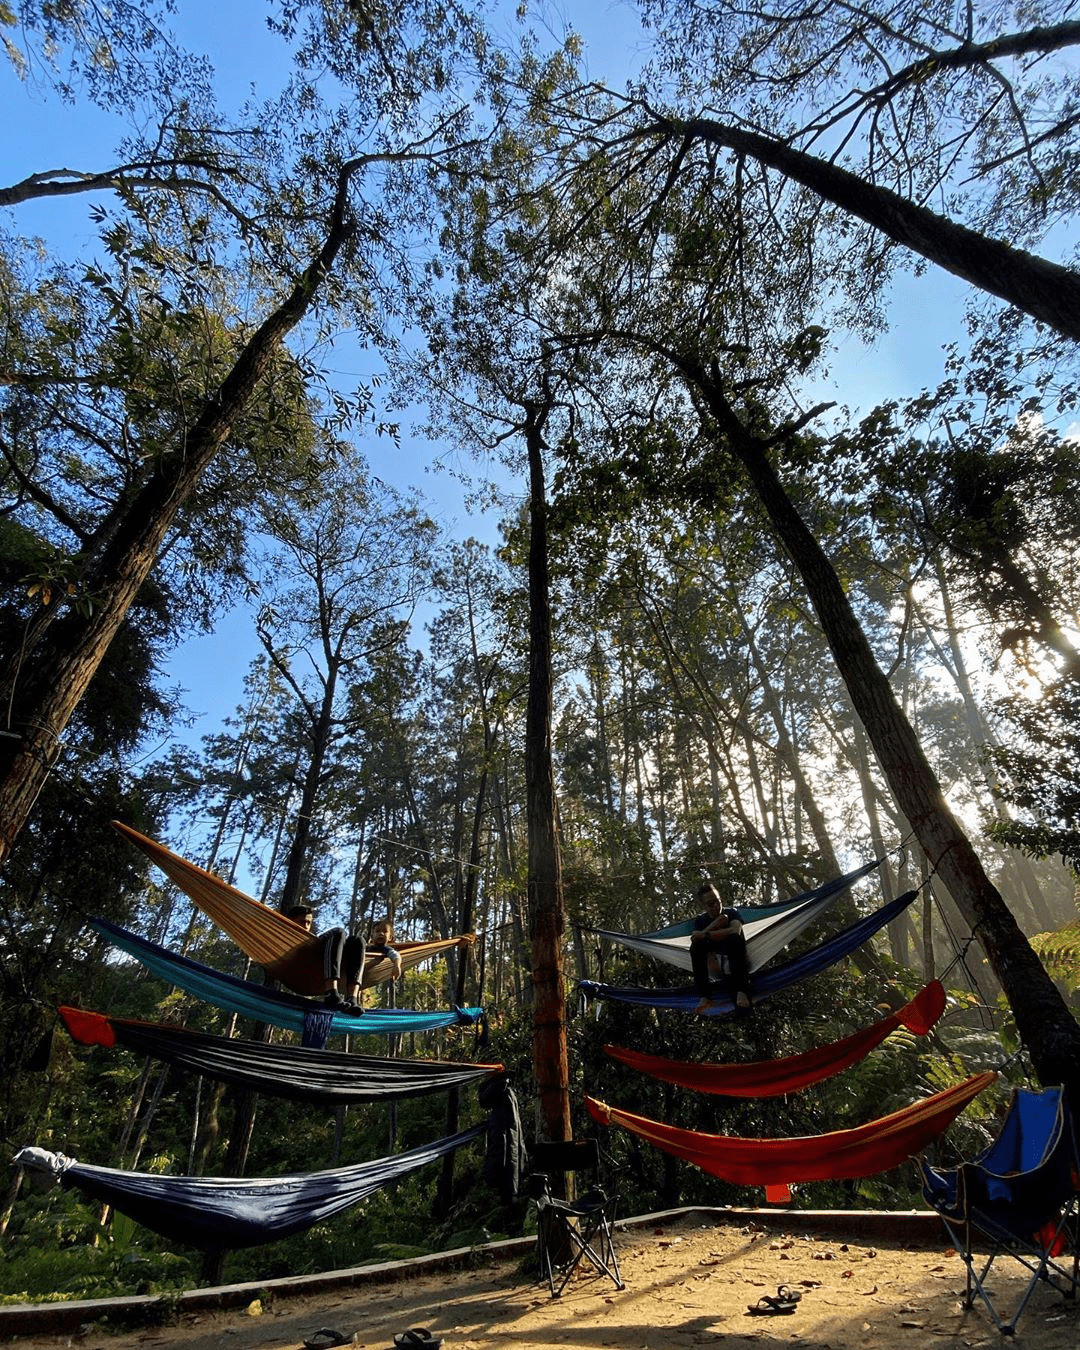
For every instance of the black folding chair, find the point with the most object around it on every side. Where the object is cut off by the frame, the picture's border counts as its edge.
(569, 1230)
(1018, 1198)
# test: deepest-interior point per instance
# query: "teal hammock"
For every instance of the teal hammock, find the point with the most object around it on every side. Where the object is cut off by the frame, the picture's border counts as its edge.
(288, 1011)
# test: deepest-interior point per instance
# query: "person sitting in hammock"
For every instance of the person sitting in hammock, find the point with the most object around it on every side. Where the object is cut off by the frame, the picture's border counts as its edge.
(343, 957)
(382, 935)
(718, 934)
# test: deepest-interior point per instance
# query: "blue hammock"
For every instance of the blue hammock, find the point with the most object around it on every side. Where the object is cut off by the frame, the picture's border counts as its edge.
(288, 1011)
(220, 1213)
(770, 981)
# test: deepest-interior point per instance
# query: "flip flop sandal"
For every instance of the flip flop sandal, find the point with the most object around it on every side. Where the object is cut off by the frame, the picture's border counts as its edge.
(325, 1338)
(769, 1306)
(417, 1338)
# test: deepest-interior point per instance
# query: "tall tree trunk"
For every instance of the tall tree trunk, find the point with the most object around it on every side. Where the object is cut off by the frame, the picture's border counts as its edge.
(42, 697)
(1047, 1028)
(547, 917)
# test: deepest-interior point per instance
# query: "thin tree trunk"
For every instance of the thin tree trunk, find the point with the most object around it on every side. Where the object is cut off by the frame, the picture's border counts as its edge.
(981, 736)
(547, 918)
(445, 1191)
(9, 1200)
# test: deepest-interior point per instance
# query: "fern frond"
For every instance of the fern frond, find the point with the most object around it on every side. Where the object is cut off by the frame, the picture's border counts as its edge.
(1059, 952)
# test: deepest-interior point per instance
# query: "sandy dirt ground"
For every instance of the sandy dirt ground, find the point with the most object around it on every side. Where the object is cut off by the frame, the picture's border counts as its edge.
(687, 1285)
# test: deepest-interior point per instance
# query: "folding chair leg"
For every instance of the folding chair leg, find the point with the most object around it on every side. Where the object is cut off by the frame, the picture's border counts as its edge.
(1043, 1268)
(544, 1240)
(605, 1262)
(608, 1263)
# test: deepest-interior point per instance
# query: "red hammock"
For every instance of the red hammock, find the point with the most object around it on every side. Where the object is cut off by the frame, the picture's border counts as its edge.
(774, 1077)
(776, 1163)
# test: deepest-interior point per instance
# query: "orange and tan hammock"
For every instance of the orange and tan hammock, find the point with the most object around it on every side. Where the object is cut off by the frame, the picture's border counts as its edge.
(778, 1163)
(284, 948)
(774, 1077)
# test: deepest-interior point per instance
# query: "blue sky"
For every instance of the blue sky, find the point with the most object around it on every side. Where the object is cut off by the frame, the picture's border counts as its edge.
(44, 134)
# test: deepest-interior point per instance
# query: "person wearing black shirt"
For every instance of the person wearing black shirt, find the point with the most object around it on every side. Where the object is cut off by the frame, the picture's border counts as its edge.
(718, 935)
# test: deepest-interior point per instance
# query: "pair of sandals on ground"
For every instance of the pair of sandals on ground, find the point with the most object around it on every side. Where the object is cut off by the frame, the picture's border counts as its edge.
(785, 1300)
(416, 1338)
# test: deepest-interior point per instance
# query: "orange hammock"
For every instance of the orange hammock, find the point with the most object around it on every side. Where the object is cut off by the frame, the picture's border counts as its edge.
(777, 1163)
(774, 1077)
(284, 948)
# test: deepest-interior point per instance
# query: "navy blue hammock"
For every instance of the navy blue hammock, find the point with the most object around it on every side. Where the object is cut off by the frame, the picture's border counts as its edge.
(686, 998)
(221, 1213)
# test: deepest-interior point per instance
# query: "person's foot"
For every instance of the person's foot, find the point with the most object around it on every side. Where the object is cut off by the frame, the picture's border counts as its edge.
(333, 999)
(742, 1000)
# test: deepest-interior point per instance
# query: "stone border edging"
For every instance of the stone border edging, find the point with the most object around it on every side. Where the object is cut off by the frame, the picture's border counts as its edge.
(905, 1227)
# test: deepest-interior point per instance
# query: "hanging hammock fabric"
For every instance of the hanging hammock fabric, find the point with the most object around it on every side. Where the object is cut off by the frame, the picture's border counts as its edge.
(774, 1077)
(284, 948)
(221, 1213)
(766, 934)
(750, 913)
(322, 1077)
(858, 1152)
(287, 1011)
(686, 999)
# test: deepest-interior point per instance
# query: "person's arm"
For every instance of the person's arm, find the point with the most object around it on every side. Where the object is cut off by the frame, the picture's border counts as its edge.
(724, 926)
(391, 954)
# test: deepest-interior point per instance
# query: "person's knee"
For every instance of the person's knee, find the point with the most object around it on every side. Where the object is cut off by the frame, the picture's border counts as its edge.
(355, 952)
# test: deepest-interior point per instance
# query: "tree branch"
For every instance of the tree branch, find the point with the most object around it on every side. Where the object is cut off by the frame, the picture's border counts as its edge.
(1043, 289)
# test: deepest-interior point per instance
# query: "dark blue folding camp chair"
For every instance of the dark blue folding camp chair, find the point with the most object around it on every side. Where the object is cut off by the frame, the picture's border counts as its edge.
(1018, 1198)
(568, 1230)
